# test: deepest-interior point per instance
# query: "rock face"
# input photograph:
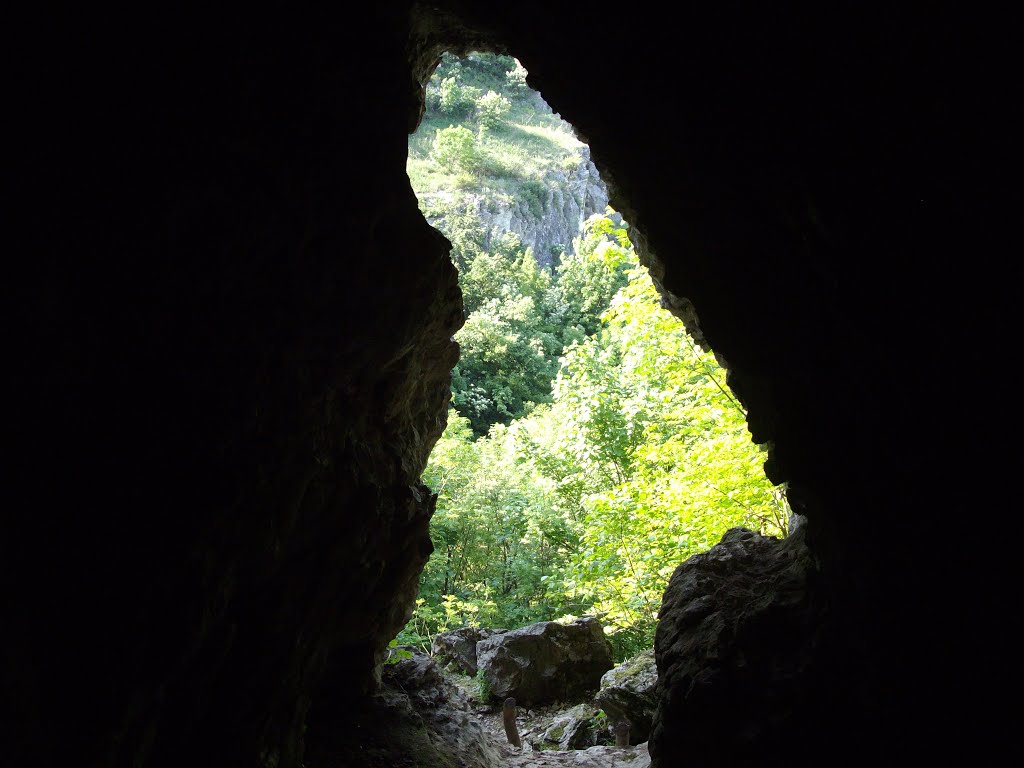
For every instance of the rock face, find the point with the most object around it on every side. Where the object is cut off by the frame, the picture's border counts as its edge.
(456, 648)
(737, 633)
(554, 215)
(572, 728)
(416, 711)
(549, 217)
(629, 693)
(546, 662)
(230, 350)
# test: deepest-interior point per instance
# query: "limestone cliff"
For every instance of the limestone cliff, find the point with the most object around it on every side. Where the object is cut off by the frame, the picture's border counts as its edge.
(546, 216)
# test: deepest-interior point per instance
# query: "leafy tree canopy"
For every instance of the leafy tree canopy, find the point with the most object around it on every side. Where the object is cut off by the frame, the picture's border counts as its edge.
(637, 457)
(591, 446)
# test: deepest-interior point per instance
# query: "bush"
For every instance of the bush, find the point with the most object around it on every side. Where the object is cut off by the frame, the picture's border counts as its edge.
(516, 80)
(535, 194)
(483, 687)
(455, 100)
(455, 149)
(463, 181)
(492, 108)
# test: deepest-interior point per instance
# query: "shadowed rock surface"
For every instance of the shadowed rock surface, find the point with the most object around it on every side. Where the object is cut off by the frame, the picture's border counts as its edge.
(456, 648)
(629, 694)
(736, 649)
(546, 662)
(229, 352)
(571, 728)
(416, 717)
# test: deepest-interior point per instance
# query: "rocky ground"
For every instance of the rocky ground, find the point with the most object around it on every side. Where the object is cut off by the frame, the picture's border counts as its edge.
(595, 757)
(426, 715)
(535, 729)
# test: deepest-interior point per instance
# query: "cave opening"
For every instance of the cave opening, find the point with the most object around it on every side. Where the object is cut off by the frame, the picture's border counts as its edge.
(231, 344)
(591, 444)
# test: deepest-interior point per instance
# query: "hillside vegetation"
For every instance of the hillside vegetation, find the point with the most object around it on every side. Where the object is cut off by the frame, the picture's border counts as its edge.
(591, 446)
(513, 136)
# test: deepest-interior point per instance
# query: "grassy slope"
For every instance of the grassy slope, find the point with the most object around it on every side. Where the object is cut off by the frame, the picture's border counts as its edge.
(530, 142)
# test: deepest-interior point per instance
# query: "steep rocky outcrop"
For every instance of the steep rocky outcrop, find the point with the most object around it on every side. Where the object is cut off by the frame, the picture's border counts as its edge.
(552, 215)
(546, 215)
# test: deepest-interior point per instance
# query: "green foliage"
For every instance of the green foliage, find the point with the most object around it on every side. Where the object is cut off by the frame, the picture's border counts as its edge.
(535, 193)
(587, 278)
(455, 149)
(482, 686)
(509, 350)
(396, 652)
(418, 632)
(456, 87)
(660, 451)
(591, 446)
(455, 100)
(600, 726)
(492, 108)
(586, 503)
(515, 80)
(495, 535)
(518, 137)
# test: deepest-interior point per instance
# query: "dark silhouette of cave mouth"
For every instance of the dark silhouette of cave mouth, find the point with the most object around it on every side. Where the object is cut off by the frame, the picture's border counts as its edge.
(220, 409)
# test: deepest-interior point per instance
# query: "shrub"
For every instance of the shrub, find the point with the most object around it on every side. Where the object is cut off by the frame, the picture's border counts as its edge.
(483, 687)
(492, 108)
(516, 79)
(455, 100)
(535, 193)
(455, 149)
(464, 181)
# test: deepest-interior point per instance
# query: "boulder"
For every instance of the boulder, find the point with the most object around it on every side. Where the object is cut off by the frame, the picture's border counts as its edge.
(456, 648)
(415, 673)
(629, 693)
(573, 728)
(546, 662)
(737, 641)
(417, 710)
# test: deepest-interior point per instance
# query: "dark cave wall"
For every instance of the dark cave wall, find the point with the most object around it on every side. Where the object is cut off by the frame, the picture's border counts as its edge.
(233, 343)
(237, 348)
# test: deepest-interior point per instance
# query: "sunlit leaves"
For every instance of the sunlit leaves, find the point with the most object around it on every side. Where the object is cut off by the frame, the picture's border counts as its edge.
(587, 503)
(455, 149)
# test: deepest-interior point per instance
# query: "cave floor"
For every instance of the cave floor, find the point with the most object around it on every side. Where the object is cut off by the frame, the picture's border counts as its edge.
(395, 730)
(532, 723)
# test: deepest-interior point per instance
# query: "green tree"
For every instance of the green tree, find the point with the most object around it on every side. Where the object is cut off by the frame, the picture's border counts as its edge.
(587, 279)
(515, 80)
(662, 460)
(591, 447)
(588, 503)
(456, 100)
(509, 349)
(455, 148)
(495, 534)
(492, 108)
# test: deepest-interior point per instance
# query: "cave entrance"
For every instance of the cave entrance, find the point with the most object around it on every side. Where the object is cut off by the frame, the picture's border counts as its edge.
(591, 446)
